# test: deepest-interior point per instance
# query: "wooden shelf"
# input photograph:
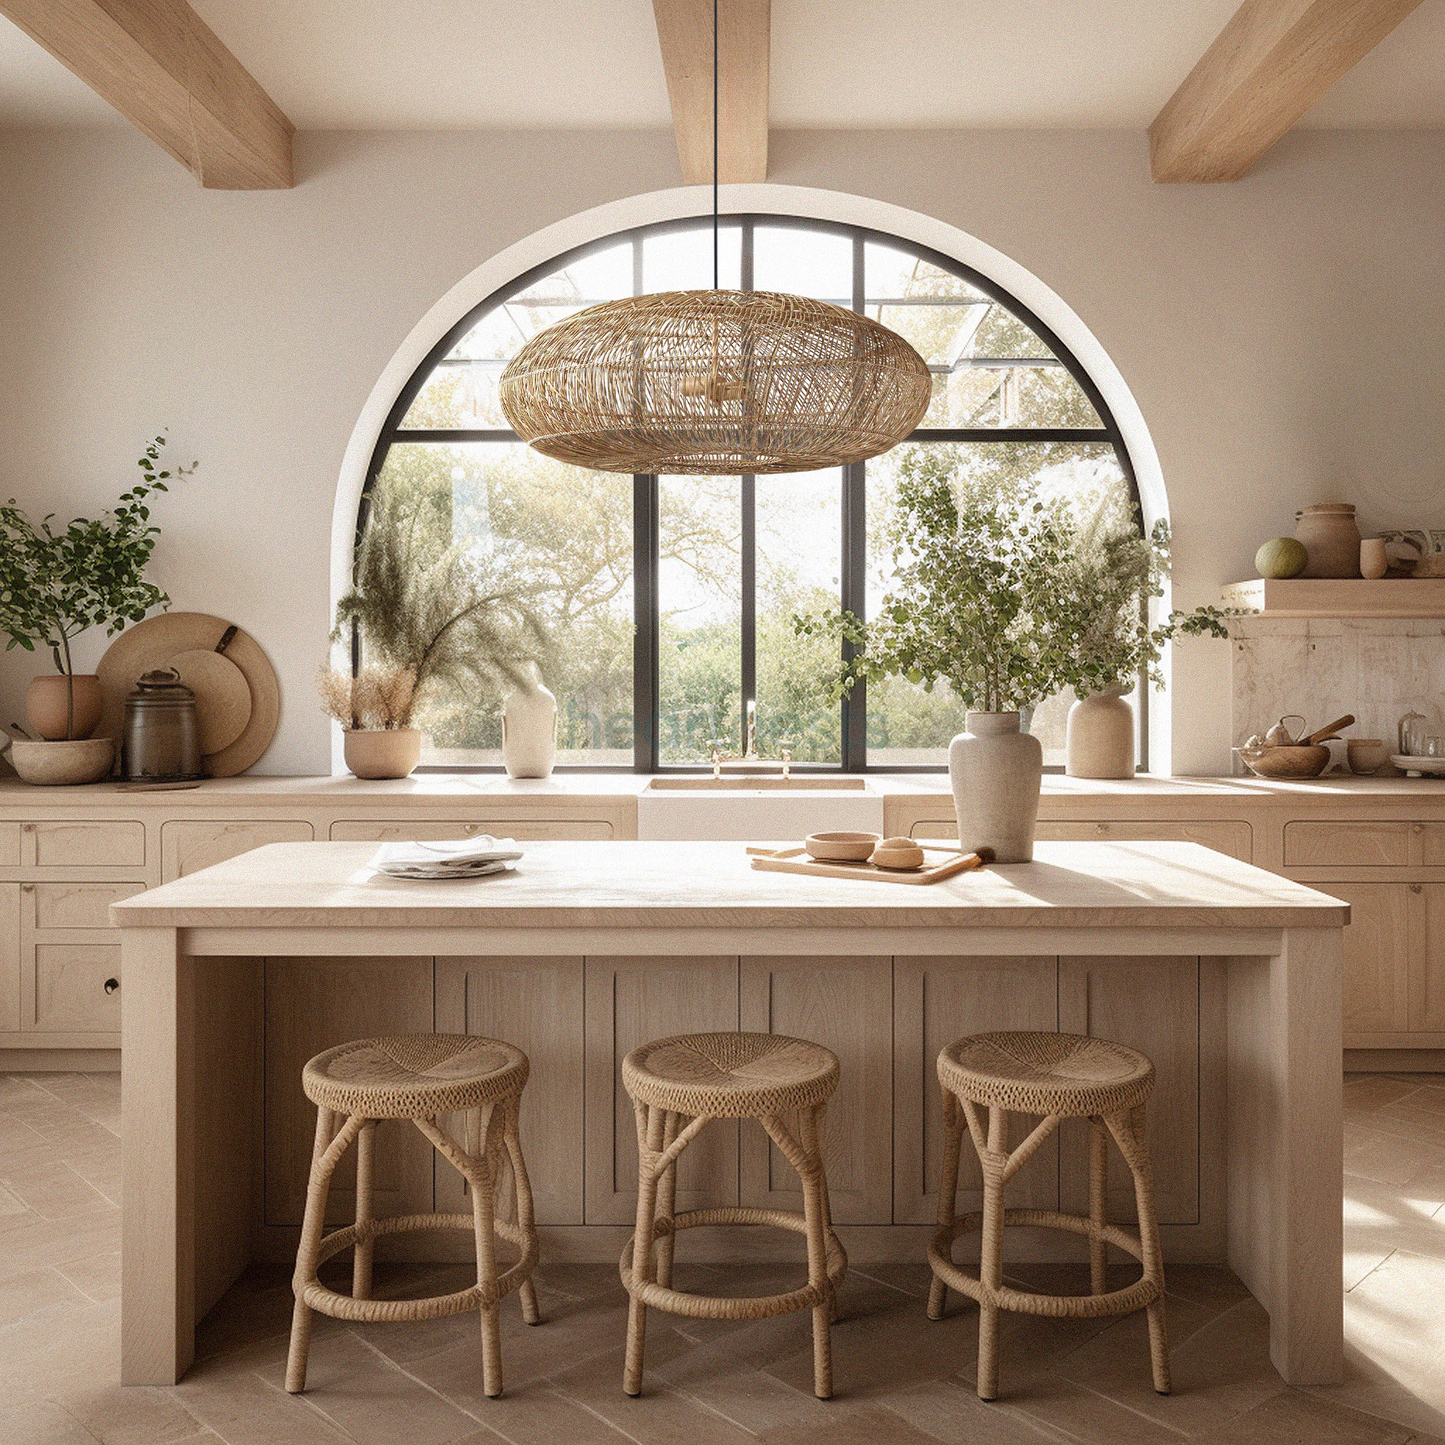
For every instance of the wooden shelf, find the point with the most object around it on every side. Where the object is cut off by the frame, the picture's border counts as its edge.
(1339, 597)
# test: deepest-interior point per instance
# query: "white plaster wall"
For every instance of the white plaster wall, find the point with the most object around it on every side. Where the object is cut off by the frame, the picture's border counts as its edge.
(1284, 336)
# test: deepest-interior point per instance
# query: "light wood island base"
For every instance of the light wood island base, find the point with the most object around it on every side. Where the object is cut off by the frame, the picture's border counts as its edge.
(1228, 977)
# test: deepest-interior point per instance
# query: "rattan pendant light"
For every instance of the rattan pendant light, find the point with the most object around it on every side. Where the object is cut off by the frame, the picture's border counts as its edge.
(715, 382)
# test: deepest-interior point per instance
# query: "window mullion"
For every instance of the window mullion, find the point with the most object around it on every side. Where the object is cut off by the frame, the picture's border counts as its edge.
(646, 663)
(854, 578)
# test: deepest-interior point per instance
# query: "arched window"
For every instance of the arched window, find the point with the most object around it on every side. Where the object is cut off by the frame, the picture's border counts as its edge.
(669, 599)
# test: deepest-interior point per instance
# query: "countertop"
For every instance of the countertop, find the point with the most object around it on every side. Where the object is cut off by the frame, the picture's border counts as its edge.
(642, 885)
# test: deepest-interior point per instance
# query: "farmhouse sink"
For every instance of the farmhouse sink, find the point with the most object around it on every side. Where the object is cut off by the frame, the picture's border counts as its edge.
(742, 783)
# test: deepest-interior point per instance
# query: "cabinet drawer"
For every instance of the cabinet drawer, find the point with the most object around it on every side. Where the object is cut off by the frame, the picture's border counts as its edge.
(414, 830)
(1233, 838)
(1432, 844)
(1346, 845)
(75, 905)
(70, 987)
(56, 844)
(189, 847)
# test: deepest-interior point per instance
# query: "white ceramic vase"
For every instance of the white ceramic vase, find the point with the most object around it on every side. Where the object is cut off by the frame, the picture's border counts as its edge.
(529, 732)
(996, 770)
(1100, 739)
(381, 752)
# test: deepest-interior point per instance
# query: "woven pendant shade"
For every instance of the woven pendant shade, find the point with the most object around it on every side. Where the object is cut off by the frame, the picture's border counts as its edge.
(715, 382)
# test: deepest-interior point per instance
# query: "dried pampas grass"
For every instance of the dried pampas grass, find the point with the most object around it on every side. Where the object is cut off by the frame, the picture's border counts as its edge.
(377, 697)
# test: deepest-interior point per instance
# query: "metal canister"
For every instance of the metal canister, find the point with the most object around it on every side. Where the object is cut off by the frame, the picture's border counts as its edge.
(162, 734)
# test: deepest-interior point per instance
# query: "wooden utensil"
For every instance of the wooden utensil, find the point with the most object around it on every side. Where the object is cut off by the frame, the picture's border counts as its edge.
(1330, 730)
(792, 860)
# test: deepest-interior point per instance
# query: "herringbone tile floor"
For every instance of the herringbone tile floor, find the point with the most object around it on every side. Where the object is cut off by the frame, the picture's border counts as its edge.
(901, 1379)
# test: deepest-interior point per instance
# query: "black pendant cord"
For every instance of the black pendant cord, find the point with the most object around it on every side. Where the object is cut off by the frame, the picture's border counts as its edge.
(716, 284)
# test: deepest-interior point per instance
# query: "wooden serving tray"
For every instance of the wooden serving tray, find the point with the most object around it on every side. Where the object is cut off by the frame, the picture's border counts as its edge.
(796, 860)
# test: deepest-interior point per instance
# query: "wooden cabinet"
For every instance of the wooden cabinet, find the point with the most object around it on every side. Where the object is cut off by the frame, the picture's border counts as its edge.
(628, 1002)
(1310, 844)
(10, 951)
(536, 1004)
(424, 829)
(74, 905)
(1378, 962)
(845, 1004)
(187, 847)
(77, 988)
(1224, 836)
(1427, 954)
(61, 843)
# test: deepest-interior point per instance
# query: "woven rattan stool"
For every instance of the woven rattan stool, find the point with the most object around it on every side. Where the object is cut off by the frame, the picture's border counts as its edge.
(418, 1077)
(679, 1084)
(1057, 1076)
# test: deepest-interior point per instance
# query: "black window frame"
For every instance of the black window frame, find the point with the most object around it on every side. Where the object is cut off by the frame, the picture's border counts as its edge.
(645, 509)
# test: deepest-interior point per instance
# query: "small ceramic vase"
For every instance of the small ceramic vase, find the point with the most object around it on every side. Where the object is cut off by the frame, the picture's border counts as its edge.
(996, 771)
(529, 731)
(1100, 739)
(46, 704)
(382, 752)
(1373, 562)
(1331, 538)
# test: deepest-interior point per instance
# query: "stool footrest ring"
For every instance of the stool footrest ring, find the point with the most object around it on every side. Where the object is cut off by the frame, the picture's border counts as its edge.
(727, 1307)
(1074, 1306)
(376, 1311)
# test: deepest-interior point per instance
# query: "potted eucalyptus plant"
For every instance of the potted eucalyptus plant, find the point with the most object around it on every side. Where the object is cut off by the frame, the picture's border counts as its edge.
(426, 614)
(58, 582)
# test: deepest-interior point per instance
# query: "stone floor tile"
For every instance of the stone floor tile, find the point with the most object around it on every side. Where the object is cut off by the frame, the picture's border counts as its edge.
(1069, 1412)
(1394, 1319)
(98, 1275)
(65, 1349)
(25, 1297)
(867, 1426)
(1295, 1416)
(951, 1411)
(140, 1415)
(1364, 1092)
(1388, 1157)
(42, 1422)
(56, 1191)
(540, 1415)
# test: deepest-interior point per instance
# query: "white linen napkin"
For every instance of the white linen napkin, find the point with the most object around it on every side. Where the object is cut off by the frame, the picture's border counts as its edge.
(447, 858)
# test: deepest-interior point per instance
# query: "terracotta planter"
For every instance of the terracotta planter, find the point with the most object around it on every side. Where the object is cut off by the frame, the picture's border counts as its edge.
(529, 732)
(1331, 538)
(46, 701)
(1100, 741)
(996, 771)
(382, 752)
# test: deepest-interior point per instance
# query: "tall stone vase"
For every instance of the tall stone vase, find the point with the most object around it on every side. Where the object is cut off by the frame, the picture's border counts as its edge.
(996, 770)
(1100, 739)
(529, 731)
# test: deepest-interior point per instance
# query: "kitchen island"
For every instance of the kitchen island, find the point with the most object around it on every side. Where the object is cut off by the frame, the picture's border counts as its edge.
(1229, 977)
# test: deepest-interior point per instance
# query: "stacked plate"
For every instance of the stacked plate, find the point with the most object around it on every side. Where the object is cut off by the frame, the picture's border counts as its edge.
(458, 858)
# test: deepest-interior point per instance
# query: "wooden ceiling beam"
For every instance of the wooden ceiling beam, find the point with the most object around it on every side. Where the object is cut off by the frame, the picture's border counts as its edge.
(684, 30)
(164, 69)
(1267, 67)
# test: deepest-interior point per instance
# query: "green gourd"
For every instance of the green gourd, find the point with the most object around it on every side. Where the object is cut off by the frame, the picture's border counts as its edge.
(1283, 557)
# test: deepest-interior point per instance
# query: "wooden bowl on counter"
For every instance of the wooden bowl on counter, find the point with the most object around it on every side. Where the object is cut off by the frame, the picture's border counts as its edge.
(841, 847)
(1302, 760)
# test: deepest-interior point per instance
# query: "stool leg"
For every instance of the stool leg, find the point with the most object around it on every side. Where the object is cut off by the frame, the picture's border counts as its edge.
(1098, 1191)
(478, 1139)
(1128, 1131)
(815, 1218)
(526, 1218)
(991, 1253)
(650, 1125)
(947, 1192)
(667, 1201)
(318, 1189)
(362, 1255)
(822, 1133)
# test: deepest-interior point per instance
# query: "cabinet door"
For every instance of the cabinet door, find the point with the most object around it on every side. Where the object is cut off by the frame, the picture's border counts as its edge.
(188, 847)
(1150, 1004)
(629, 1002)
(1377, 955)
(313, 1004)
(1427, 957)
(77, 988)
(938, 1000)
(58, 844)
(75, 905)
(536, 1004)
(10, 956)
(845, 1004)
(1346, 845)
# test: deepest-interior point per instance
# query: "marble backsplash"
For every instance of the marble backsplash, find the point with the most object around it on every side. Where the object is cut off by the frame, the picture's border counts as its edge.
(1376, 668)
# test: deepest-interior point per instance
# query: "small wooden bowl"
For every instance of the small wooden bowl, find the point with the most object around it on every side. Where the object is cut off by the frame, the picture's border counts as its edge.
(841, 847)
(901, 853)
(1299, 761)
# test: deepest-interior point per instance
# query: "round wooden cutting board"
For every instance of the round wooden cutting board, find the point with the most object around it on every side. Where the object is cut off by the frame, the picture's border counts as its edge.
(239, 729)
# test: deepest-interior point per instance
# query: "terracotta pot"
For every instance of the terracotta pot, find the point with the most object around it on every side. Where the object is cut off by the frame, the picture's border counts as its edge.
(1331, 538)
(996, 771)
(1100, 740)
(382, 752)
(529, 732)
(46, 701)
(63, 764)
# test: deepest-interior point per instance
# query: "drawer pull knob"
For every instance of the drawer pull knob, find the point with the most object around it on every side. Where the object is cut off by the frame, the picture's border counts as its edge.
(111, 985)
(1414, 888)
(1417, 828)
(1101, 827)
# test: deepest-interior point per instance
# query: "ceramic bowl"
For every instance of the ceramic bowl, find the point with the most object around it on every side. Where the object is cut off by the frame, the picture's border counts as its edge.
(1300, 761)
(82, 760)
(1367, 755)
(841, 847)
(902, 853)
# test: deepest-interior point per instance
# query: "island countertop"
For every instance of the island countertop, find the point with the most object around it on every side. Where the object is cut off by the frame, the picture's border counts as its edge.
(638, 885)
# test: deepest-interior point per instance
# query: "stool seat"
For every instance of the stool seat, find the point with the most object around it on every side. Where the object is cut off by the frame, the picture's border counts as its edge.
(730, 1076)
(414, 1076)
(1068, 1075)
